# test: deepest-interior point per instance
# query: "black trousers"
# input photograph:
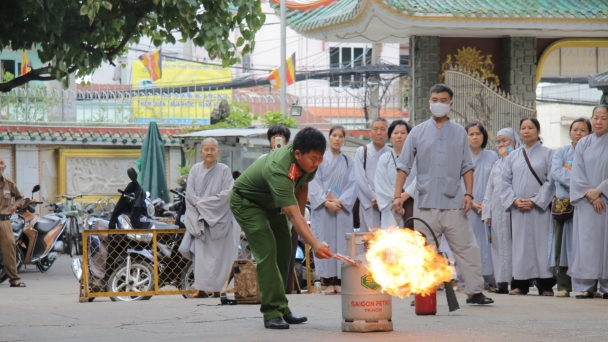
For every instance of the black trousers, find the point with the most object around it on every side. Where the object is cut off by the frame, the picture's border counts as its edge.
(542, 284)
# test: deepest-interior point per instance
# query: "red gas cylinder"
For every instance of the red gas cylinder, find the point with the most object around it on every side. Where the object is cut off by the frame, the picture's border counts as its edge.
(426, 304)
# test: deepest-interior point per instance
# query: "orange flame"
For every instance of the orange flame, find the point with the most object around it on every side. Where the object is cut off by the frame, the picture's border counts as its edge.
(402, 264)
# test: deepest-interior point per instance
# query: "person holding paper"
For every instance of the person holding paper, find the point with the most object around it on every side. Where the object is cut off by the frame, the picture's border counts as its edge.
(332, 195)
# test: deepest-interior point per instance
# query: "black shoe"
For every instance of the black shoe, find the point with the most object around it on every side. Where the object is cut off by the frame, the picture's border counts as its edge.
(276, 323)
(291, 319)
(479, 298)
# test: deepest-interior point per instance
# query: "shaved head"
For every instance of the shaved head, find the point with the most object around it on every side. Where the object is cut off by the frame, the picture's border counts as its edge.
(209, 141)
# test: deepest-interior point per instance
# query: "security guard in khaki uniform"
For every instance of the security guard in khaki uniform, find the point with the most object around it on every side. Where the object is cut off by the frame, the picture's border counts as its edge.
(11, 198)
(270, 191)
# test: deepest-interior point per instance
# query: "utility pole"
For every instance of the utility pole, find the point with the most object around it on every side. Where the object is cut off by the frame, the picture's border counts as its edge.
(374, 84)
(282, 69)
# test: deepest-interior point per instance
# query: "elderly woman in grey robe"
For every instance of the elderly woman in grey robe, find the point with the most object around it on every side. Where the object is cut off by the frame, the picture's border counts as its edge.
(494, 215)
(561, 231)
(589, 195)
(483, 160)
(526, 191)
(386, 173)
(212, 234)
(332, 194)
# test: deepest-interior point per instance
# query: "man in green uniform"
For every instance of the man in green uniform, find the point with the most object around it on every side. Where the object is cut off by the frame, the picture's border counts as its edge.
(270, 191)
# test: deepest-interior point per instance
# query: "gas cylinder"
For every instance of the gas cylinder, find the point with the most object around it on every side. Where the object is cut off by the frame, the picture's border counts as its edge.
(365, 308)
(426, 304)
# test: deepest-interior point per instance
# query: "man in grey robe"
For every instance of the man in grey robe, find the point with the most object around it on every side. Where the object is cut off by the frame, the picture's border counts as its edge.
(440, 149)
(589, 193)
(365, 169)
(211, 238)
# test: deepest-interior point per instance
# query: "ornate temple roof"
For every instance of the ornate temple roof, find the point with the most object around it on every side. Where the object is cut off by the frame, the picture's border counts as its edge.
(119, 136)
(382, 20)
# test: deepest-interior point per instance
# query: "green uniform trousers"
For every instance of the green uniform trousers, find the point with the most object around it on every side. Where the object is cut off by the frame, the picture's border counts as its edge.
(269, 238)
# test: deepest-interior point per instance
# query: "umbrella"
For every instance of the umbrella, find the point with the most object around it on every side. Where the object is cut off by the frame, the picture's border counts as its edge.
(152, 172)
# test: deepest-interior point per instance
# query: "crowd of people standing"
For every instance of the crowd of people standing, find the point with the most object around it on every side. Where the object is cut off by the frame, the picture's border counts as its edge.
(537, 216)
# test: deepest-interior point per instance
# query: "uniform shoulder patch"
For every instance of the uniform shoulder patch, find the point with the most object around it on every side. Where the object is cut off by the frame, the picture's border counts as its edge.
(293, 172)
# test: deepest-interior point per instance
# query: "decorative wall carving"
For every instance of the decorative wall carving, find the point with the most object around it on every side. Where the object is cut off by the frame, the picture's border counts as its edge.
(99, 176)
(471, 59)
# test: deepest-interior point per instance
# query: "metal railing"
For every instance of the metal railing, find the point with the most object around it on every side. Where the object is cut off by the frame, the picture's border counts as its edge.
(134, 264)
(321, 108)
(476, 100)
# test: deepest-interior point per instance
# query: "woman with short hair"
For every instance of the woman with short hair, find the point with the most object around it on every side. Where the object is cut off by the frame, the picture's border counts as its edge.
(526, 191)
(561, 232)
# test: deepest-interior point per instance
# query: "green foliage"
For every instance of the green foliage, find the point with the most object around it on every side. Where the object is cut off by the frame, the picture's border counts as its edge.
(72, 35)
(184, 170)
(271, 118)
(8, 76)
(240, 117)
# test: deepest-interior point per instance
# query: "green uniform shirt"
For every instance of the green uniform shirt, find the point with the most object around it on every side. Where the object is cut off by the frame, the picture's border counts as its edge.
(268, 183)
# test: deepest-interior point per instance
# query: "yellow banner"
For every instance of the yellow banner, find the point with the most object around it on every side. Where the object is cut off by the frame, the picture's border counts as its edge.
(180, 107)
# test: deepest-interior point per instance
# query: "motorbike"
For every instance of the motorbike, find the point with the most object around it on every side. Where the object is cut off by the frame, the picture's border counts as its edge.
(124, 262)
(37, 243)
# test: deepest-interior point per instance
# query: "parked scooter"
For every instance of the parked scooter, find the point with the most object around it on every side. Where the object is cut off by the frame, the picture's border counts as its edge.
(38, 242)
(124, 263)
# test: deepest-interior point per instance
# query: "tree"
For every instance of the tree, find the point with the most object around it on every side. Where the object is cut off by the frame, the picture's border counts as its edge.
(79, 35)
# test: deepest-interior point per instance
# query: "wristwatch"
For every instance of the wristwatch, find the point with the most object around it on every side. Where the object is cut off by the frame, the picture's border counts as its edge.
(470, 196)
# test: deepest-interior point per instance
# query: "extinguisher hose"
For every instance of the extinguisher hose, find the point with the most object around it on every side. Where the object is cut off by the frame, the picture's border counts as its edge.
(426, 224)
(449, 291)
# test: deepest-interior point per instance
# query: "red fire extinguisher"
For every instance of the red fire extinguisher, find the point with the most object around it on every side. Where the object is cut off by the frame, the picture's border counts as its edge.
(426, 304)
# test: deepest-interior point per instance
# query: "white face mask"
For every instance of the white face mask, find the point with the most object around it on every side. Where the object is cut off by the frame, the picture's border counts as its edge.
(440, 109)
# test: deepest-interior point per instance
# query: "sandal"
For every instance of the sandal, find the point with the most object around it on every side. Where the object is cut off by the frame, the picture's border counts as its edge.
(492, 288)
(517, 292)
(547, 294)
(605, 296)
(479, 298)
(19, 284)
(330, 290)
(562, 293)
(197, 295)
(585, 294)
(338, 289)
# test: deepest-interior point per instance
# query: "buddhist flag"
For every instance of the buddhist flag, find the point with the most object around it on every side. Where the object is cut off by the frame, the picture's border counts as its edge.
(275, 78)
(26, 65)
(153, 63)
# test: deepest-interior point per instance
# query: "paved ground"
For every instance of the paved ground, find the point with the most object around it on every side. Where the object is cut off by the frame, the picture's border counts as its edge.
(48, 310)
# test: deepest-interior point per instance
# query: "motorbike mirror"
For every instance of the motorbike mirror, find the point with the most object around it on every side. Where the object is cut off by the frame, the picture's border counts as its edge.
(35, 189)
(147, 194)
(132, 174)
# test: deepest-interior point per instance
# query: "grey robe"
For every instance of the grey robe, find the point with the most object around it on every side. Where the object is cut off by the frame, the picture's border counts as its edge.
(483, 165)
(530, 229)
(384, 181)
(590, 233)
(561, 176)
(327, 226)
(211, 238)
(370, 218)
(501, 225)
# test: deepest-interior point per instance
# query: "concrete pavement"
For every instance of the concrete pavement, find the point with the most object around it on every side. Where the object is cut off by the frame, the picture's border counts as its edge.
(48, 310)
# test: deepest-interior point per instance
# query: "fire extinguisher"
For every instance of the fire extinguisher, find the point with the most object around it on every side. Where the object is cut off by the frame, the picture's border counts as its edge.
(426, 304)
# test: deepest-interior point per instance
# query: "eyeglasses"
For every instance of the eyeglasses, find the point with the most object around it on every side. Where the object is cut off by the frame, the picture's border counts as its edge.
(209, 150)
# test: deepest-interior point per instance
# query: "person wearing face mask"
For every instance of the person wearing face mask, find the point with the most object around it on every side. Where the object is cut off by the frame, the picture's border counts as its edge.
(440, 149)
(386, 173)
(589, 196)
(483, 160)
(526, 191)
(561, 232)
(366, 161)
(332, 195)
(497, 219)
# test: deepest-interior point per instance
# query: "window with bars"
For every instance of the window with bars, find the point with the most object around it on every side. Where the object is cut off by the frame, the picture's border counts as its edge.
(348, 58)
